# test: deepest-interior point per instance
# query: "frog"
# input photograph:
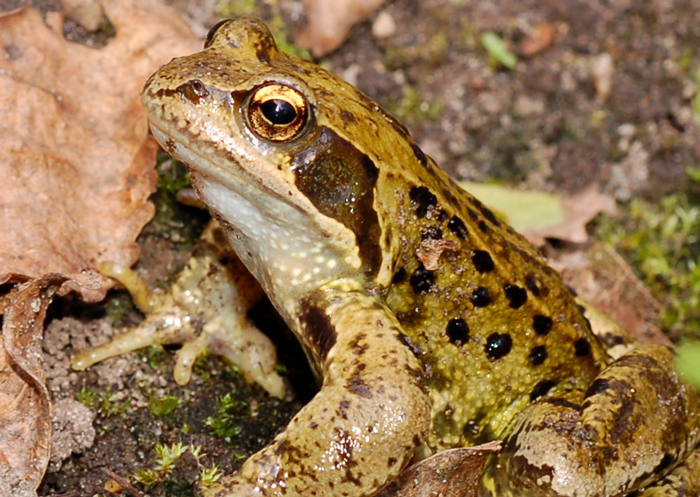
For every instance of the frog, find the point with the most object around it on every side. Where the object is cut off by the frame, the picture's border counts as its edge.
(430, 323)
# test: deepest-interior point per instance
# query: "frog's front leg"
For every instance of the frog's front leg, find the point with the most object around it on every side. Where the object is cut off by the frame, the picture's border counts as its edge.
(636, 423)
(205, 309)
(362, 427)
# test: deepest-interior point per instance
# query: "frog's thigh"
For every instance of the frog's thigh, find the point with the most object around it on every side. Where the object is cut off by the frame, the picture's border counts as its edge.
(684, 481)
(362, 427)
(635, 423)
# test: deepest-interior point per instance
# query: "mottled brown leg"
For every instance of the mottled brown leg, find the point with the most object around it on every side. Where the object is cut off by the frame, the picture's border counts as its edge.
(636, 422)
(361, 428)
(684, 481)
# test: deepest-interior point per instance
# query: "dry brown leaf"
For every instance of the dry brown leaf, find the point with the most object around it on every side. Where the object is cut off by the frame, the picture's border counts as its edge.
(430, 251)
(603, 279)
(451, 473)
(579, 210)
(25, 417)
(541, 37)
(328, 23)
(75, 156)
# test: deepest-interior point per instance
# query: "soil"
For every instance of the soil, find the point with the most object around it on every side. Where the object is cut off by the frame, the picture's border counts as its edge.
(606, 102)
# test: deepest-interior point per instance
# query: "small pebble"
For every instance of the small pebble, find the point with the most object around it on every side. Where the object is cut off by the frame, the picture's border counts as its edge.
(384, 25)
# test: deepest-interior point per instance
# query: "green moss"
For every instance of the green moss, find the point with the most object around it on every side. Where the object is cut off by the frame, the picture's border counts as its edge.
(224, 423)
(88, 397)
(173, 220)
(120, 308)
(156, 357)
(168, 458)
(436, 49)
(281, 35)
(686, 58)
(113, 407)
(411, 107)
(663, 242)
(688, 360)
(162, 406)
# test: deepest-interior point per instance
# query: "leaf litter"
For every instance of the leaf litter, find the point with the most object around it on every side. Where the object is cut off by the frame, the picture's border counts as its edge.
(78, 168)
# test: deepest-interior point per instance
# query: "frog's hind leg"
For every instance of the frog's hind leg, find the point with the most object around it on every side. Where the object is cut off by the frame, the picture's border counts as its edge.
(684, 481)
(636, 423)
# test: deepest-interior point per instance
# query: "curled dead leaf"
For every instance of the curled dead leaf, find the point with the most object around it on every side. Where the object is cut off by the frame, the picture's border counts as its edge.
(605, 280)
(430, 250)
(578, 210)
(25, 413)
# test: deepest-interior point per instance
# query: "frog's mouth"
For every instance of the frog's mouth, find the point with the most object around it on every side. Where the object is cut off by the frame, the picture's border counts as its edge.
(202, 162)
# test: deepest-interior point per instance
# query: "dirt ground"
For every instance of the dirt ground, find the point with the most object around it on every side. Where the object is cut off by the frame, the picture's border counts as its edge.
(605, 102)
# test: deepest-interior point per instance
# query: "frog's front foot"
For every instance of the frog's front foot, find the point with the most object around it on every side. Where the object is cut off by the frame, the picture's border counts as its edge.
(635, 423)
(205, 309)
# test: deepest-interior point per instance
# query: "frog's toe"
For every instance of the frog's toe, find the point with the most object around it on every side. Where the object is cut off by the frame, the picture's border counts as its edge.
(186, 357)
(148, 333)
(250, 350)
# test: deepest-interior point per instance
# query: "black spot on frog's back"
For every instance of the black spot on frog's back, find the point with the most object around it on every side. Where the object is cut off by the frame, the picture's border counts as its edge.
(400, 276)
(542, 388)
(457, 331)
(542, 324)
(516, 296)
(482, 261)
(481, 297)
(582, 347)
(423, 199)
(489, 215)
(498, 345)
(422, 280)
(538, 355)
(457, 226)
(531, 284)
(422, 158)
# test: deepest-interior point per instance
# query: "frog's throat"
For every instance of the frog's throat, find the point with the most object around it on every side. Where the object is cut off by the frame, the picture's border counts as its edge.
(265, 235)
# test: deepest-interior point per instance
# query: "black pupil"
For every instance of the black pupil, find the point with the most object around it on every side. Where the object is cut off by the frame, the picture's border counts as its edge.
(278, 111)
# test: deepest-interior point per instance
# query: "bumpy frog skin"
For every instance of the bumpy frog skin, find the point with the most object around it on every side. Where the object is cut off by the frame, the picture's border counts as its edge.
(432, 324)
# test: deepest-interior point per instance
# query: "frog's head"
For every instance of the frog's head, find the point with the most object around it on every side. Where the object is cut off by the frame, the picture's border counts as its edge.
(283, 152)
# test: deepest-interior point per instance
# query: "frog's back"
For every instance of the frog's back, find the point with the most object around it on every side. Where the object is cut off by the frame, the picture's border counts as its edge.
(495, 326)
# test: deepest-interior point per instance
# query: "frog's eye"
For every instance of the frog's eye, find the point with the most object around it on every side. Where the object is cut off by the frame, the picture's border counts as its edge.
(277, 112)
